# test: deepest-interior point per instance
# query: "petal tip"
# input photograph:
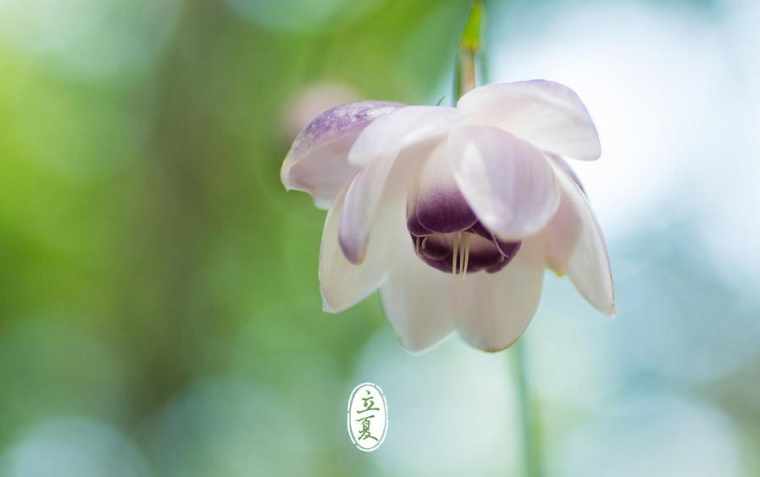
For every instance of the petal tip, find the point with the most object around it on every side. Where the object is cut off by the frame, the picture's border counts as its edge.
(327, 307)
(497, 229)
(413, 348)
(285, 173)
(559, 270)
(420, 347)
(492, 348)
(508, 182)
(289, 177)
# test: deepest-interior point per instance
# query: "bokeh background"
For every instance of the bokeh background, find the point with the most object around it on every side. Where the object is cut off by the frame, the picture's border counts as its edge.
(159, 305)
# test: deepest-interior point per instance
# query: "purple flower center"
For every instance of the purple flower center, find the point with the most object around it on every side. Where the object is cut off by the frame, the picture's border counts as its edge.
(448, 237)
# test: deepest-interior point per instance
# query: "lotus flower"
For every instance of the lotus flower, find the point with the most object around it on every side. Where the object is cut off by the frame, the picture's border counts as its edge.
(454, 213)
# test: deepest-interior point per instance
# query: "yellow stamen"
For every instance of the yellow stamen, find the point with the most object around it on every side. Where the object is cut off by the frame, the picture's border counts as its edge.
(455, 255)
(466, 247)
(462, 246)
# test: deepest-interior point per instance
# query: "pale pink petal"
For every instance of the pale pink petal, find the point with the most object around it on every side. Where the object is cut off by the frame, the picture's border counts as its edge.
(509, 184)
(503, 303)
(408, 134)
(575, 245)
(562, 233)
(317, 162)
(547, 114)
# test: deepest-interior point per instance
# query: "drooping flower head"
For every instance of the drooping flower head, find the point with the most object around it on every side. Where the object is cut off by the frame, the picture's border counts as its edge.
(454, 213)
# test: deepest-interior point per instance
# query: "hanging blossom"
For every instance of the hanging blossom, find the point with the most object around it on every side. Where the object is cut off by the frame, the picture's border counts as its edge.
(454, 213)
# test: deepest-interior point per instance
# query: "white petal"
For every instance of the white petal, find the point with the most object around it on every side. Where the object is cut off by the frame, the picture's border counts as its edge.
(561, 164)
(342, 283)
(317, 162)
(490, 311)
(547, 114)
(409, 134)
(387, 136)
(504, 302)
(421, 302)
(575, 245)
(508, 183)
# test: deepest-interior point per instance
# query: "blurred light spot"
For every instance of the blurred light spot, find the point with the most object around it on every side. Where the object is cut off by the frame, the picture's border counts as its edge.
(568, 351)
(669, 94)
(72, 447)
(661, 90)
(90, 38)
(732, 227)
(653, 436)
(677, 320)
(229, 428)
(452, 409)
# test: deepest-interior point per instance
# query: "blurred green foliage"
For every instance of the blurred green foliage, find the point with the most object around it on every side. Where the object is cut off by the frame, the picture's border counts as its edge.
(145, 238)
(155, 276)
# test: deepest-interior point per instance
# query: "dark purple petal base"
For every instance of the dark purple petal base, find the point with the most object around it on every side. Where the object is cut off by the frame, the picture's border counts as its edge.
(448, 236)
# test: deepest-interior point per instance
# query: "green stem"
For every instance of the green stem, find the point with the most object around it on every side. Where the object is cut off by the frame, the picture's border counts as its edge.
(465, 79)
(531, 437)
